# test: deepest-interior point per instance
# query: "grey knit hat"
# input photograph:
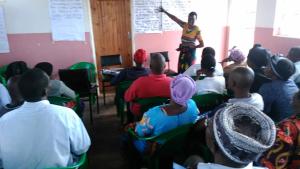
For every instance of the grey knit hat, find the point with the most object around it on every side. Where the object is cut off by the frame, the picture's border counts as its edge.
(242, 132)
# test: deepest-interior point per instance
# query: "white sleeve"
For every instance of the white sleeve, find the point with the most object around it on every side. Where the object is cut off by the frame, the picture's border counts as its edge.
(4, 96)
(79, 138)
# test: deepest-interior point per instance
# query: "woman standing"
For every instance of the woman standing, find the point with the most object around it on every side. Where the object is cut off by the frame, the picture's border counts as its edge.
(190, 34)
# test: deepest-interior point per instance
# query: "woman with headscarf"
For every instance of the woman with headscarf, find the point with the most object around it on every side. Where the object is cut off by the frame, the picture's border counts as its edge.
(181, 110)
(238, 58)
(190, 34)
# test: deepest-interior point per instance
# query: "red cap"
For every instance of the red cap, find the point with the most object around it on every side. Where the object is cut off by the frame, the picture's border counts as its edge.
(140, 56)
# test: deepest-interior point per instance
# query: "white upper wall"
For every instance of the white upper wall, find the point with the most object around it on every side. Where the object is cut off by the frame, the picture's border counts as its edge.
(32, 16)
(265, 13)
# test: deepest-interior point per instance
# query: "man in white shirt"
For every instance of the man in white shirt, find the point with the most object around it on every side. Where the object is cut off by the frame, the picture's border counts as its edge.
(236, 135)
(192, 70)
(4, 99)
(240, 82)
(38, 134)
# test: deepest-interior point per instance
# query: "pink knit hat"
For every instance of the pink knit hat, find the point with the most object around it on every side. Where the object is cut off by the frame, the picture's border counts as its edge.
(183, 88)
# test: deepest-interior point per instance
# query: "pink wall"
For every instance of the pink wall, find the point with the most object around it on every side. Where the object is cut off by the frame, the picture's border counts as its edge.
(159, 42)
(38, 47)
(276, 44)
(169, 41)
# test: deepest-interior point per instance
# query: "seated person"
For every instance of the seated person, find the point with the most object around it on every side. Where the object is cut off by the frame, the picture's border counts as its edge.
(236, 135)
(39, 134)
(192, 70)
(238, 58)
(157, 84)
(285, 153)
(131, 74)
(13, 89)
(181, 110)
(4, 99)
(240, 81)
(56, 87)
(294, 56)
(278, 93)
(257, 59)
(210, 83)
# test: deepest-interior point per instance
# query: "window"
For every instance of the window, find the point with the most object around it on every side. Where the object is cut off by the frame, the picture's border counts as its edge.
(287, 17)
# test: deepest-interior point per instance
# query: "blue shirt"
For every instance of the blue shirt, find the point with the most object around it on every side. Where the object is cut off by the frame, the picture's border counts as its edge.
(156, 121)
(278, 96)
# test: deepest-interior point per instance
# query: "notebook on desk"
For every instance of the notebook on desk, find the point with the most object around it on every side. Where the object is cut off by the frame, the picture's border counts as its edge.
(112, 72)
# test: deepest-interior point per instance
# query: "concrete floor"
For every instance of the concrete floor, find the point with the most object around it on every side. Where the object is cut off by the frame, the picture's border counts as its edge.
(105, 135)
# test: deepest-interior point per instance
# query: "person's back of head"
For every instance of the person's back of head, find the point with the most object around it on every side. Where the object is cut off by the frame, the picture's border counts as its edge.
(208, 63)
(294, 54)
(238, 133)
(241, 78)
(183, 88)
(208, 51)
(46, 67)
(33, 85)
(258, 57)
(13, 89)
(157, 63)
(281, 68)
(15, 68)
(236, 55)
(140, 57)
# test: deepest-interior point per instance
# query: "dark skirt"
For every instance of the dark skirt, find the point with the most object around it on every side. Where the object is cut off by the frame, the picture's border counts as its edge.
(187, 57)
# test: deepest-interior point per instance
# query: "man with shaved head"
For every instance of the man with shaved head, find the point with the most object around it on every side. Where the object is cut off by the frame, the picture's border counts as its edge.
(157, 84)
(240, 82)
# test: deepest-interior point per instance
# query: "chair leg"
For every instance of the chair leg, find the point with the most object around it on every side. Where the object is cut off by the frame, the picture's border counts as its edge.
(103, 91)
(91, 111)
(97, 99)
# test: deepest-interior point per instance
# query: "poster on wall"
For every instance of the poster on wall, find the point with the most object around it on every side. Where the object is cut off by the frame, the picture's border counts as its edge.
(148, 20)
(179, 8)
(4, 46)
(67, 20)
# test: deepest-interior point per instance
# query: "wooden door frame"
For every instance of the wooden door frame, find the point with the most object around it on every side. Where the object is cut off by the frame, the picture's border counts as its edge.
(92, 38)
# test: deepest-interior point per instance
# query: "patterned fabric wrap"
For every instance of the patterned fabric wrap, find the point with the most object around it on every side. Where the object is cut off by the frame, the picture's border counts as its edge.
(187, 58)
(242, 132)
(285, 153)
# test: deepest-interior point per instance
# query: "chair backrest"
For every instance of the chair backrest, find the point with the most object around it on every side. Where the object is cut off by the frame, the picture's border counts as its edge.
(164, 53)
(171, 142)
(86, 65)
(209, 101)
(119, 99)
(77, 80)
(147, 103)
(3, 80)
(111, 60)
(3, 70)
(81, 164)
